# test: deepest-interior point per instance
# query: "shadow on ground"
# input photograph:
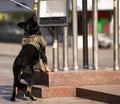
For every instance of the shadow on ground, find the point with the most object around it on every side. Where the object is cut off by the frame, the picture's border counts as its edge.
(98, 96)
(6, 91)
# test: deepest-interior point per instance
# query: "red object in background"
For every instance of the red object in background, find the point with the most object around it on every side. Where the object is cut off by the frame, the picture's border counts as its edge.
(106, 28)
(101, 15)
(90, 28)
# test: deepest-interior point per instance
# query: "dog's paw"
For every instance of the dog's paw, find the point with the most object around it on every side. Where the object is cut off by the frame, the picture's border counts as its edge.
(29, 94)
(48, 70)
(34, 99)
(45, 70)
(13, 99)
(42, 70)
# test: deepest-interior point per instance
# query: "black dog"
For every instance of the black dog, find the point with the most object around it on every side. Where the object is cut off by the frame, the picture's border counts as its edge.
(32, 50)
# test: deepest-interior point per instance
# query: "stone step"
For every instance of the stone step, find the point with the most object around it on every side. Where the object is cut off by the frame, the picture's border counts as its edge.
(47, 92)
(77, 78)
(102, 93)
(65, 84)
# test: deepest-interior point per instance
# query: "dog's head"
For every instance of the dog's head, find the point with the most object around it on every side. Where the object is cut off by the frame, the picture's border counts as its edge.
(30, 26)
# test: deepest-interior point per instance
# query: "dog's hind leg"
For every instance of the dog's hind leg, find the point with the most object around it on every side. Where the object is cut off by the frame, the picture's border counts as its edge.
(29, 93)
(16, 85)
(30, 81)
(14, 94)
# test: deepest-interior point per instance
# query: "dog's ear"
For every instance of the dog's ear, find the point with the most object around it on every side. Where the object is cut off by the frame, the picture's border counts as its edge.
(21, 25)
(35, 20)
(34, 17)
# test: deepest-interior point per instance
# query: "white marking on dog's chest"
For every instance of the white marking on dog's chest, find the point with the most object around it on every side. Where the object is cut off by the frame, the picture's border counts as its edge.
(21, 72)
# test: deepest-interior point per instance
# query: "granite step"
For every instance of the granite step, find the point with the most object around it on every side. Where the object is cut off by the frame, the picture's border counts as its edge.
(102, 93)
(78, 78)
(65, 84)
(48, 92)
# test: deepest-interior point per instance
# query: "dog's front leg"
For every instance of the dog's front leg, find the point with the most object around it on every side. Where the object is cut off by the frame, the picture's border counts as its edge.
(38, 67)
(45, 62)
(47, 69)
(29, 93)
(14, 94)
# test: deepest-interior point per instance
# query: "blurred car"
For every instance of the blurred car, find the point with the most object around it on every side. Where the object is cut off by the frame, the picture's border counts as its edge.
(104, 41)
(10, 32)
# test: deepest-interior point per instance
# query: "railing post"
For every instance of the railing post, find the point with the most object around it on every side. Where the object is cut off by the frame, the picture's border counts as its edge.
(95, 34)
(55, 50)
(85, 35)
(65, 49)
(38, 9)
(75, 37)
(116, 34)
(35, 6)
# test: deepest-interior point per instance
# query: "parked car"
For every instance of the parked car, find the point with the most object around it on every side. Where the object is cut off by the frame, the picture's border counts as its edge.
(104, 41)
(10, 32)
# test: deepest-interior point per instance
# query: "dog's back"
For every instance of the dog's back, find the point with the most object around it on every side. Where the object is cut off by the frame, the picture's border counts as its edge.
(28, 56)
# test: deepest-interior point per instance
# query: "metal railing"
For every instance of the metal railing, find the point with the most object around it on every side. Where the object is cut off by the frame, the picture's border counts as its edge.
(85, 38)
(116, 34)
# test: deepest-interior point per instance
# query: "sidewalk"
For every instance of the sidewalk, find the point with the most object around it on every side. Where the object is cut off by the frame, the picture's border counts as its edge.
(99, 94)
(104, 54)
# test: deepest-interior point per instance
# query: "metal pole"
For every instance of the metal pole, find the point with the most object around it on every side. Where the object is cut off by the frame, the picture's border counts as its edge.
(85, 35)
(38, 10)
(65, 49)
(35, 6)
(116, 34)
(55, 51)
(16, 2)
(75, 38)
(95, 34)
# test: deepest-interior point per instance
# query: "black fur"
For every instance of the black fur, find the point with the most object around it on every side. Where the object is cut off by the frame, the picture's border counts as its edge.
(30, 26)
(23, 67)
